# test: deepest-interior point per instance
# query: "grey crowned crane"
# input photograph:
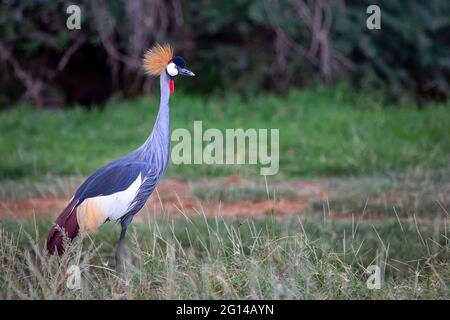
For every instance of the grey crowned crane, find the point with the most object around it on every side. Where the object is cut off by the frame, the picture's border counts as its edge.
(117, 191)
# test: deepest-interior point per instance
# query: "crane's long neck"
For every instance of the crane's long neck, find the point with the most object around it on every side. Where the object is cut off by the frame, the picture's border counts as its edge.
(158, 143)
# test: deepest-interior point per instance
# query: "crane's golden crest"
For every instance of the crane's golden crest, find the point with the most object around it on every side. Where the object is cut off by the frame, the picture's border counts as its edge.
(157, 58)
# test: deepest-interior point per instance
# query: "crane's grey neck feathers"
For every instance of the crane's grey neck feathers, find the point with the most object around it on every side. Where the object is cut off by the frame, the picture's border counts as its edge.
(154, 153)
(157, 145)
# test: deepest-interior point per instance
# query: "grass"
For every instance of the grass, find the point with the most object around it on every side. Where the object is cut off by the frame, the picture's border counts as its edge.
(230, 193)
(398, 222)
(322, 132)
(291, 258)
(419, 192)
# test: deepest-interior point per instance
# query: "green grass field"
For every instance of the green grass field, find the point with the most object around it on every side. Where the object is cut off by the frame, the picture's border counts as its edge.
(322, 133)
(384, 170)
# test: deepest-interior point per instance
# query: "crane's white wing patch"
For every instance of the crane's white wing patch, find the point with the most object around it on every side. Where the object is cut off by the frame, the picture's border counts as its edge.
(94, 211)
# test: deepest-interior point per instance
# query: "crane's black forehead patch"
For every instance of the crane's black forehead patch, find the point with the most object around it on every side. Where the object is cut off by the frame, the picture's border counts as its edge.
(179, 61)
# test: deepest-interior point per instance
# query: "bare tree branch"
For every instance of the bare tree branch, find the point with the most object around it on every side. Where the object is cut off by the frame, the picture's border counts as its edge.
(316, 16)
(79, 41)
(33, 86)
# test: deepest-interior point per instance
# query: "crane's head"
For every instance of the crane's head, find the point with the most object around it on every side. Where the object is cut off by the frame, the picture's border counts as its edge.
(160, 59)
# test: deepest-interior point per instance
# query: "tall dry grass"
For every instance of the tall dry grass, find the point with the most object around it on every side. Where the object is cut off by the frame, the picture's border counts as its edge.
(216, 258)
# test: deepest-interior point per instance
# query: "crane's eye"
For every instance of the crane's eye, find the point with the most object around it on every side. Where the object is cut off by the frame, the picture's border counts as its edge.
(172, 69)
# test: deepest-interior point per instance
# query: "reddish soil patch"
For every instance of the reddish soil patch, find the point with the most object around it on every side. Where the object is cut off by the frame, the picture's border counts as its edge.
(28, 208)
(176, 198)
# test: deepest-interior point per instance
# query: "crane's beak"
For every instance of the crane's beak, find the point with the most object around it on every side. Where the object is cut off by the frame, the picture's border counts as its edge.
(185, 72)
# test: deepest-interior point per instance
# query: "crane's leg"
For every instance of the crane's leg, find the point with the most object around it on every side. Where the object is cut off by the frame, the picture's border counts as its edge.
(119, 250)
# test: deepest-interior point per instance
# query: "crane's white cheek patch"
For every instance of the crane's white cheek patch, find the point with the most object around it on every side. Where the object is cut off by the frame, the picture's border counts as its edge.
(171, 69)
(93, 212)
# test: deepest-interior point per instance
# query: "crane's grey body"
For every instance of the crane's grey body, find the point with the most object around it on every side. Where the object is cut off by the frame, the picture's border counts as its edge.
(149, 161)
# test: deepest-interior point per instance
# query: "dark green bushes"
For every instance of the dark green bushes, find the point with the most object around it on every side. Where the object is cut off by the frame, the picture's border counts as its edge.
(235, 46)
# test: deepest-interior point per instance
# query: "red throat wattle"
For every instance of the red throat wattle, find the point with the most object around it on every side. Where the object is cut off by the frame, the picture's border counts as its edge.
(172, 86)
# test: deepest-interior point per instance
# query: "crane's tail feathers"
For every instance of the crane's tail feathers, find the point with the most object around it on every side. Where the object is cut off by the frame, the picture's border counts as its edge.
(65, 227)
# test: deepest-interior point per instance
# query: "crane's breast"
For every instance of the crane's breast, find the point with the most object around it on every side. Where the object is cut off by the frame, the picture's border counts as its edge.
(93, 212)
